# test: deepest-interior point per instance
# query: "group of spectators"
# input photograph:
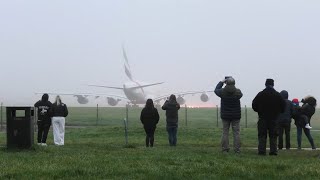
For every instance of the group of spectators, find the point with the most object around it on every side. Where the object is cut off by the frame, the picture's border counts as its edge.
(275, 112)
(274, 109)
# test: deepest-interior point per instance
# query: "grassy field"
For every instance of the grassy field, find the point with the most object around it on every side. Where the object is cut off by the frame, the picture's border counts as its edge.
(100, 152)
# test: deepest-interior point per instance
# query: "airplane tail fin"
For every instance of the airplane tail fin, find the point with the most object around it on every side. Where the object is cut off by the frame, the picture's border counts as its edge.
(127, 65)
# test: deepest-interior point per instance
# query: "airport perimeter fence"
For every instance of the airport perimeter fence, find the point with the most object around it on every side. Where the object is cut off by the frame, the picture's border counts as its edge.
(188, 117)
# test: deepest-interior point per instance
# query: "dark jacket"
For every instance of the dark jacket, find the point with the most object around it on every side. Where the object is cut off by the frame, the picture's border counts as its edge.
(303, 115)
(171, 108)
(269, 104)
(59, 110)
(149, 117)
(230, 101)
(286, 116)
(44, 107)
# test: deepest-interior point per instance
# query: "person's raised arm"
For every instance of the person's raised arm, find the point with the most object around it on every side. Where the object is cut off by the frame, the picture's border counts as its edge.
(218, 89)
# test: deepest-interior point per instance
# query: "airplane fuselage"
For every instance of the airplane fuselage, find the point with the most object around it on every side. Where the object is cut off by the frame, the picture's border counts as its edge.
(135, 93)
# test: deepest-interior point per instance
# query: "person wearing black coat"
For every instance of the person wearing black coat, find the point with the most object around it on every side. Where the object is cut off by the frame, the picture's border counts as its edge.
(284, 121)
(44, 119)
(230, 112)
(171, 107)
(59, 112)
(149, 118)
(269, 104)
(302, 116)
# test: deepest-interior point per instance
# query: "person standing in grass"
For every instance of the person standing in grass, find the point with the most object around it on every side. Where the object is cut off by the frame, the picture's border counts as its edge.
(149, 118)
(269, 104)
(44, 119)
(59, 112)
(230, 112)
(284, 121)
(171, 107)
(302, 116)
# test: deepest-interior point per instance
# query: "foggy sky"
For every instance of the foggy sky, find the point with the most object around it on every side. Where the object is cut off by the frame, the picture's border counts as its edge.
(63, 45)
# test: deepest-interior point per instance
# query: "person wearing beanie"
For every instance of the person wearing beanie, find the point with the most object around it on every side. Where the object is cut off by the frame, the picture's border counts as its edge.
(269, 105)
(302, 117)
(44, 120)
(230, 112)
(284, 121)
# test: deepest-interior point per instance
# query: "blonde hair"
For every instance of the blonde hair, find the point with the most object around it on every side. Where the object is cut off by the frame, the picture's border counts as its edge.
(58, 100)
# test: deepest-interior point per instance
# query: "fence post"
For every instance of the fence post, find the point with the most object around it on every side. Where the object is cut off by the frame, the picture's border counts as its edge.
(126, 130)
(1, 115)
(127, 114)
(246, 115)
(35, 119)
(186, 114)
(97, 120)
(217, 107)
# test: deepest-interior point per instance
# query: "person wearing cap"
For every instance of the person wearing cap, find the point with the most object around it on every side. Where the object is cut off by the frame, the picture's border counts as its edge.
(44, 119)
(230, 112)
(268, 104)
(284, 121)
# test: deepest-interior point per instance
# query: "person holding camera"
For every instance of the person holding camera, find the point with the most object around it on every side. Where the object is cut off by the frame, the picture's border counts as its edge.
(171, 107)
(230, 112)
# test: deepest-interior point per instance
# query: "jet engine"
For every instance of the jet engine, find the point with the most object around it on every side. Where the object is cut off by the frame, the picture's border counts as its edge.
(181, 100)
(204, 97)
(82, 99)
(112, 101)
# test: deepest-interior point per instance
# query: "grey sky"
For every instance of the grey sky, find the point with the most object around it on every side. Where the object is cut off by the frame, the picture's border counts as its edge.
(62, 45)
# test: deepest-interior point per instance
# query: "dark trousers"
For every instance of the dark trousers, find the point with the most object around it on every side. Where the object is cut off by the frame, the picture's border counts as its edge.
(266, 127)
(307, 133)
(172, 135)
(43, 130)
(149, 135)
(284, 128)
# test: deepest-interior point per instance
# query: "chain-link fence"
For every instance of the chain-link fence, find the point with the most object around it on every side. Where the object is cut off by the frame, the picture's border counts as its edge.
(189, 117)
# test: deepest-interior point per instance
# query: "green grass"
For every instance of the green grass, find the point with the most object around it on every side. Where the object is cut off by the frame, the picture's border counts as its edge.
(100, 152)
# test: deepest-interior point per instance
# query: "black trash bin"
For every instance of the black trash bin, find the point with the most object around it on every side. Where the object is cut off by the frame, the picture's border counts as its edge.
(20, 127)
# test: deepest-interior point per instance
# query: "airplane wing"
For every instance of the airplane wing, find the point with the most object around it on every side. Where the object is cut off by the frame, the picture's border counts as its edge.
(110, 87)
(164, 97)
(135, 87)
(87, 95)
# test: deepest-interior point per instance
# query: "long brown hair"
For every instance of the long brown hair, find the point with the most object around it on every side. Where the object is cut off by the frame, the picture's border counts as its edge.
(149, 104)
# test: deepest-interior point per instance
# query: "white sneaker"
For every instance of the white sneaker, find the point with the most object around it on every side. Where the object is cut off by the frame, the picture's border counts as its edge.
(308, 126)
(44, 144)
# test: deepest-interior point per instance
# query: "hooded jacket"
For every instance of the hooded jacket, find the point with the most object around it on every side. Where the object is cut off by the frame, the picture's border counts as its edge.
(286, 116)
(269, 104)
(44, 107)
(230, 101)
(171, 108)
(149, 117)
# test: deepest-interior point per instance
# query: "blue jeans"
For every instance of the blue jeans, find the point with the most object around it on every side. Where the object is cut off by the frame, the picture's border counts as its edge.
(172, 134)
(307, 133)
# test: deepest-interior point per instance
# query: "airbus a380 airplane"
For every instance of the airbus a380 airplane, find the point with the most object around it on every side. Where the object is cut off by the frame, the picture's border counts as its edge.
(134, 91)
